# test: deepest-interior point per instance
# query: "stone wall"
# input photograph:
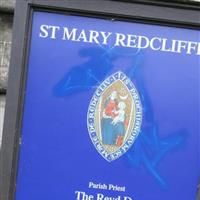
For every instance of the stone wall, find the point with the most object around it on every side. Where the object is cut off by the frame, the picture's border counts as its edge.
(6, 21)
(7, 5)
(5, 48)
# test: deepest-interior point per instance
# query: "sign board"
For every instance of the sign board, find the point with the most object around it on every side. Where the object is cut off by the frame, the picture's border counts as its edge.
(108, 104)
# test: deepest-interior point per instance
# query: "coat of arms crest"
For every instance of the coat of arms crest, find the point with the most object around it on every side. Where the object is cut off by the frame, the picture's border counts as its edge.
(114, 116)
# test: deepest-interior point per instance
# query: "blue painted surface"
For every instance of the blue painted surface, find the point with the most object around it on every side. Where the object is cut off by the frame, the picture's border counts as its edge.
(57, 156)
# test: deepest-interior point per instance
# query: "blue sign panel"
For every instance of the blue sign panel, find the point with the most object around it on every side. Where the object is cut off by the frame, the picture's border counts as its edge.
(111, 111)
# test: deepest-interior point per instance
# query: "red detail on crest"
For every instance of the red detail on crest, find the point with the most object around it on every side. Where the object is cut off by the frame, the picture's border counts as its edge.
(112, 105)
(126, 122)
(119, 140)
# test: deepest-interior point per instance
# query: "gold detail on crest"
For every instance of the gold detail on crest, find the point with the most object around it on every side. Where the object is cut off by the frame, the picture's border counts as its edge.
(122, 99)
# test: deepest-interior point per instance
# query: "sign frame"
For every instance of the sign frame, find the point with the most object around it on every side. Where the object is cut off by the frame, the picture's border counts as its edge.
(150, 12)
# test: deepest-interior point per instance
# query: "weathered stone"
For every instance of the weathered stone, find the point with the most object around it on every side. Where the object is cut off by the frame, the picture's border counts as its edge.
(2, 107)
(7, 5)
(5, 48)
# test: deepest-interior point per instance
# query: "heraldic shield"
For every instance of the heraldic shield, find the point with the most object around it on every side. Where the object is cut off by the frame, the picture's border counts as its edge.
(114, 116)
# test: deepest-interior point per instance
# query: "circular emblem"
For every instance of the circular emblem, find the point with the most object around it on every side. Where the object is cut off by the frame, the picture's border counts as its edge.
(114, 116)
